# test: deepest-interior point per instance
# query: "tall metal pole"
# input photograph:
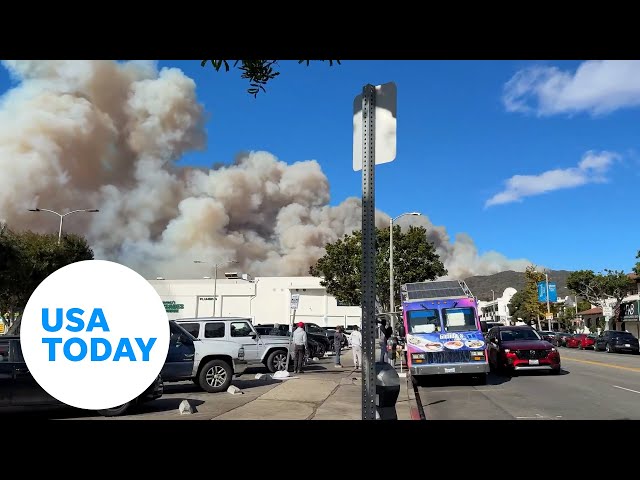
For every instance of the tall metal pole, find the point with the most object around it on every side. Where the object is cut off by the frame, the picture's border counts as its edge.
(368, 253)
(546, 277)
(215, 288)
(391, 279)
(62, 215)
(60, 229)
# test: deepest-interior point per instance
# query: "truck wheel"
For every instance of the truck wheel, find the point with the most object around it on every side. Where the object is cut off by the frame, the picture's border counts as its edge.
(115, 411)
(277, 361)
(215, 376)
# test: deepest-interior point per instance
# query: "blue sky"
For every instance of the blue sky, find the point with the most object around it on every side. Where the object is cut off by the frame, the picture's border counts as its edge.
(463, 132)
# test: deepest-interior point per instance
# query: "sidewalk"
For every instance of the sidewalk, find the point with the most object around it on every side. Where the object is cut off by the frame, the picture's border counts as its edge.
(322, 392)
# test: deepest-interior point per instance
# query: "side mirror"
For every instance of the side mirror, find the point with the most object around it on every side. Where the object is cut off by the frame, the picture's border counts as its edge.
(401, 331)
(483, 327)
(253, 335)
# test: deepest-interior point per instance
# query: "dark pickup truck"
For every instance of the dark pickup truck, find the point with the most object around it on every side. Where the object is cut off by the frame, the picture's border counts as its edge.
(18, 388)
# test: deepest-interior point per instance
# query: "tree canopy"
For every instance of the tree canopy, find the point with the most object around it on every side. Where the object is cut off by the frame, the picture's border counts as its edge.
(524, 304)
(597, 287)
(414, 260)
(27, 258)
(257, 72)
(636, 269)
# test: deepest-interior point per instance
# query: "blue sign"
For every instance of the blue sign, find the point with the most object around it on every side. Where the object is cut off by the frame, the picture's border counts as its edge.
(542, 292)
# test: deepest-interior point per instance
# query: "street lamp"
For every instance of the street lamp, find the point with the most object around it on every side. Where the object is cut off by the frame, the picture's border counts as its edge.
(391, 292)
(493, 307)
(215, 279)
(62, 215)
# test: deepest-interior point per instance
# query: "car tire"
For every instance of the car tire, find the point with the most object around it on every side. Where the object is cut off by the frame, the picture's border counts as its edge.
(321, 351)
(215, 376)
(277, 361)
(115, 411)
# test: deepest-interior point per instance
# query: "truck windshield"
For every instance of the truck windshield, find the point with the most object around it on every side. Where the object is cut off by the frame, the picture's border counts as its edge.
(420, 320)
(459, 319)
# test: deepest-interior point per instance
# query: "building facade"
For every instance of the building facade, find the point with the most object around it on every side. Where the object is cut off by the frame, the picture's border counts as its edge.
(264, 299)
(497, 310)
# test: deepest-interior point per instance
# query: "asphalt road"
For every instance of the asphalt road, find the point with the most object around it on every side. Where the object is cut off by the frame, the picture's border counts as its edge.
(591, 386)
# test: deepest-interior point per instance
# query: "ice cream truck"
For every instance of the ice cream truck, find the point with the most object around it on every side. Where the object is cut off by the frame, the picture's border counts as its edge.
(443, 332)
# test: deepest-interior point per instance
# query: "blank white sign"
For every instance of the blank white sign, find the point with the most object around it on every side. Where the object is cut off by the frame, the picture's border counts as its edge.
(385, 130)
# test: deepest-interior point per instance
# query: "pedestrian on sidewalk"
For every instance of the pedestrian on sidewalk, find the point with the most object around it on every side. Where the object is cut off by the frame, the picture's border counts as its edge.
(337, 344)
(300, 346)
(356, 347)
(385, 335)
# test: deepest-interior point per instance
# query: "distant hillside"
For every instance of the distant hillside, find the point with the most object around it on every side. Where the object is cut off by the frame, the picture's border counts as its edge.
(481, 285)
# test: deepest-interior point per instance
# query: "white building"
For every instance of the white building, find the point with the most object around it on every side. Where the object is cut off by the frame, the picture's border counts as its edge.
(265, 299)
(497, 310)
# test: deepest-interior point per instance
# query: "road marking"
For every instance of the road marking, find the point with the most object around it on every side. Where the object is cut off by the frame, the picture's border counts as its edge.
(627, 389)
(602, 364)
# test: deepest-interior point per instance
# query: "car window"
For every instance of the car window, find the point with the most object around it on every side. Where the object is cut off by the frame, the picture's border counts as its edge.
(214, 330)
(314, 329)
(240, 329)
(519, 334)
(192, 328)
(459, 319)
(4, 351)
(16, 352)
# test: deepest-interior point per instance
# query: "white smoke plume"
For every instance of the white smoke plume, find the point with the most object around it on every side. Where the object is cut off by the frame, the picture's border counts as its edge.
(102, 134)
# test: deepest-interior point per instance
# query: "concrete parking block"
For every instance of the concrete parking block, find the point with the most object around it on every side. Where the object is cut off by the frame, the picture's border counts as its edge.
(270, 410)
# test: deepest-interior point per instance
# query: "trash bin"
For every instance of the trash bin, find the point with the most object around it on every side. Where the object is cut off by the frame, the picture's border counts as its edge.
(387, 391)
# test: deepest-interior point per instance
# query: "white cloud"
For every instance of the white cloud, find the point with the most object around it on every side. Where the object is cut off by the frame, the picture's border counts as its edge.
(597, 87)
(591, 169)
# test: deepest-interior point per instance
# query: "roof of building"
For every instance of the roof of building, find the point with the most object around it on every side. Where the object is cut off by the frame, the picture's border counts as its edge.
(591, 311)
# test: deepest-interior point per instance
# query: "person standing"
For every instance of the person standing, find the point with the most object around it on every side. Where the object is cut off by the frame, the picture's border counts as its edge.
(337, 345)
(356, 347)
(300, 346)
(385, 334)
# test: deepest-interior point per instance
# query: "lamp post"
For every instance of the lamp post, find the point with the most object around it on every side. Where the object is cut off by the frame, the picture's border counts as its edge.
(549, 318)
(215, 279)
(62, 215)
(493, 307)
(391, 290)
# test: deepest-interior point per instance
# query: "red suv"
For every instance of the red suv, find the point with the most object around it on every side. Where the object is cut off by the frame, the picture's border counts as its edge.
(581, 341)
(516, 349)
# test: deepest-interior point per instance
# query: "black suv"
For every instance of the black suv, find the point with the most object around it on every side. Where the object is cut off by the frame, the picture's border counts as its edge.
(314, 332)
(616, 341)
(18, 388)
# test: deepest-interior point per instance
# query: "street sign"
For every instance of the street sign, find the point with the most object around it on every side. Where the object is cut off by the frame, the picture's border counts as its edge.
(385, 115)
(542, 292)
(295, 298)
(607, 311)
(548, 316)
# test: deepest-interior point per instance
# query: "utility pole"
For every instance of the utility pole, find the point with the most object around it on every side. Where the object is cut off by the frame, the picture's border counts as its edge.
(549, 318)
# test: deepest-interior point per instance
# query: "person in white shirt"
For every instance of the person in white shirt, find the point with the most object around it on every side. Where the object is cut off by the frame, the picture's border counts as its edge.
(300, 346)
(356, 347)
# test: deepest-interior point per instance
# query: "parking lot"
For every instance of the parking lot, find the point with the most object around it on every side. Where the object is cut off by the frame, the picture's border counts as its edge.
(591, 386)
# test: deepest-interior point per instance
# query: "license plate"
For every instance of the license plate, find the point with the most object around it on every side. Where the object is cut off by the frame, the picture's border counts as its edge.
(534, 362)
(449, 370)
(627, 345)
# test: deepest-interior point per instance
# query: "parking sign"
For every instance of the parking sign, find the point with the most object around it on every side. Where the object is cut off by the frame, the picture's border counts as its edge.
(294, 301)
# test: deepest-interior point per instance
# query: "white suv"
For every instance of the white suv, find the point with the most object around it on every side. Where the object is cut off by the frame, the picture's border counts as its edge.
(269, 351)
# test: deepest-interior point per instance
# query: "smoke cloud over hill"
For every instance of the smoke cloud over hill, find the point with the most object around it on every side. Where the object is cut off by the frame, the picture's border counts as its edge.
(101, 134)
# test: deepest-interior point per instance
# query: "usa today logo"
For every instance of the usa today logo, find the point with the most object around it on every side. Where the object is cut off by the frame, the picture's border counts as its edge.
(95, 334)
